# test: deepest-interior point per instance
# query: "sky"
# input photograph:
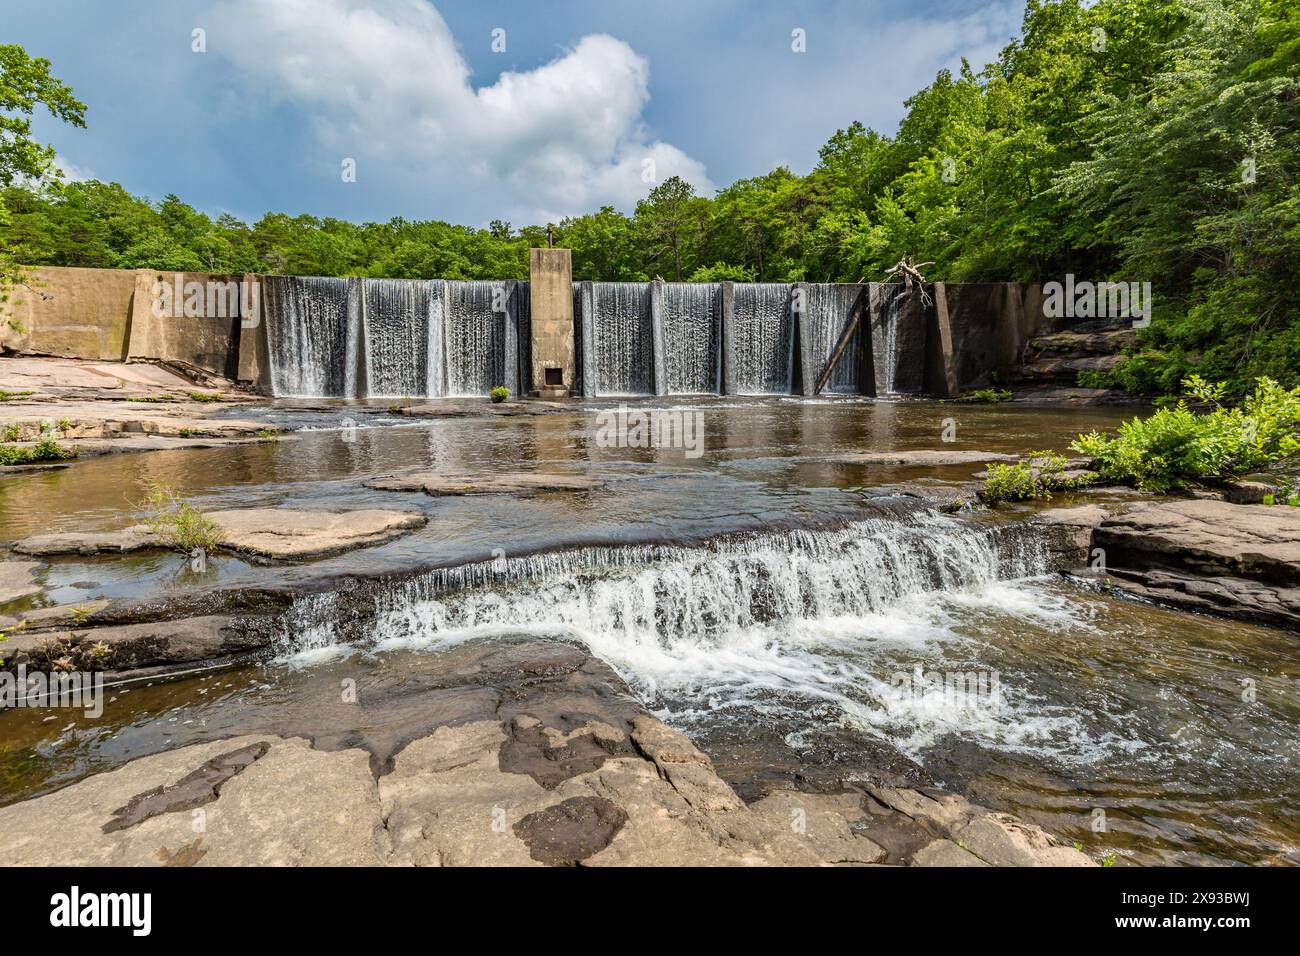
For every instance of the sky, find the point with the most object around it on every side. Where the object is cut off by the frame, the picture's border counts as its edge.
(469, 111)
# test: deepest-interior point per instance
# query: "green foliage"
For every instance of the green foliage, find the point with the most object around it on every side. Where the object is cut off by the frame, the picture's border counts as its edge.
(175, 521)
(204, 397)
(44, 450)
(499, 394)
(1177, 445)
(990, 396)
(1034, 477)
(1137, 140)
(7, 396)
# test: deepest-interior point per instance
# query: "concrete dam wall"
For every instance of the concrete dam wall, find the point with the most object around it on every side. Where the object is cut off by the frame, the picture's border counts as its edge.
(417, 338)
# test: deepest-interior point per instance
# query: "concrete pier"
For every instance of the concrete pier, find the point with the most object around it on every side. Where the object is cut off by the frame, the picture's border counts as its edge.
(554, 370)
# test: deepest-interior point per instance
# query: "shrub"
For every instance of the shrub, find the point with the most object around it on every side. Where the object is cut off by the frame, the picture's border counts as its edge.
(500, 393)
(46, 449)
(1035, 477)
(7, 396)
(1177, 444)
(204, 397)
(991, 396)
(175, 521)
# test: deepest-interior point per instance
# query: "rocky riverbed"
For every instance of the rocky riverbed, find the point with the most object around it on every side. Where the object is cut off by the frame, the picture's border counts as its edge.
(756, 602)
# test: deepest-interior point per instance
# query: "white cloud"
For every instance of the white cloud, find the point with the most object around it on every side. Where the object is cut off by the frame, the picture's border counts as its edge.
(386, 84)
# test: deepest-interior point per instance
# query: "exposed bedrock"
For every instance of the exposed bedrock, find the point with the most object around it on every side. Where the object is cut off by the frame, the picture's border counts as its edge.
(531, 753)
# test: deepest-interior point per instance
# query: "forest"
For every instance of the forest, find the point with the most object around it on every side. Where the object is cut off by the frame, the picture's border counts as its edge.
(1127, 140)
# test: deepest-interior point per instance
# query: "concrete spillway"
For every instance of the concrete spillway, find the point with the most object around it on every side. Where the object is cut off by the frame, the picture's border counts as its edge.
(393, 338)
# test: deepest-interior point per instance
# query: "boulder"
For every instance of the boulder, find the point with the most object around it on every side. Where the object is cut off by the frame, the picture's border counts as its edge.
(88, 542)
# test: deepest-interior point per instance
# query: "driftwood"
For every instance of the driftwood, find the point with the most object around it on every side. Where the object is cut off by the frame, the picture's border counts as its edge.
(910, 273)
(845, 337)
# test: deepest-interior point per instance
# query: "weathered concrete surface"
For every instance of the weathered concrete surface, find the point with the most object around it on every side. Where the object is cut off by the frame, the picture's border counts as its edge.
(67, 377)
(17, 580)
(529, 753)
(207, 342)
(293, 533)
(517, 484)
(158, 644)
(551, 292)
(1242, 561)
(80, 313)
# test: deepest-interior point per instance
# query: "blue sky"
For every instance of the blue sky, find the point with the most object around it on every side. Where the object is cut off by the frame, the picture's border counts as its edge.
(587, 99)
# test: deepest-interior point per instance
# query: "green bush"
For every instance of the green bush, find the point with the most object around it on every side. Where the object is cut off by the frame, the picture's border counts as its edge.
(7, 396)
(1035, 477)
(500, 393)
(1177, 444)
(990, 396)
(46, 449)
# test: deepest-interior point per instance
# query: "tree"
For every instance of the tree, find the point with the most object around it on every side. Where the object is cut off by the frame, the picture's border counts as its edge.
(25, 84)
(671, 220)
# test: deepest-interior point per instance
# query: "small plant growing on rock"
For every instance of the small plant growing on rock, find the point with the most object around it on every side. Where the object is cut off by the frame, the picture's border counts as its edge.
(45, 449)
(204, 397)
(990, 396)
(1035, 477)
(7, 396)
(499, 394)
(175, 521)
(268, 434)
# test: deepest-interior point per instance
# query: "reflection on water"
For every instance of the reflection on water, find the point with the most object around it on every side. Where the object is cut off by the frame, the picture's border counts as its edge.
(1101, 704)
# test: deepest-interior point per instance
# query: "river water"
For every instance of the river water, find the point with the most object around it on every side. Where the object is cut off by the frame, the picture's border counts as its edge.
(787, 611)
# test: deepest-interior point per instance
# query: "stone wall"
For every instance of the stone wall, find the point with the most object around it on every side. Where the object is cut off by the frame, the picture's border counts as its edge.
(74, 313)
(551, 293)
(111, 315)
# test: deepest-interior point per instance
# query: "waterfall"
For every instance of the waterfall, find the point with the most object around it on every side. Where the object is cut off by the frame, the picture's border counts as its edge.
(760, 350)
(621, 339)
(435, 374)
(692, 321)
(398, 337)
(891, 343)
(474, 319)
(825, 315)
(312, 340)
(655, 599)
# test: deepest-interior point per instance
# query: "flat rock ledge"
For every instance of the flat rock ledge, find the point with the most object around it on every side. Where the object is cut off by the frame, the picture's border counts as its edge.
(535, 755)
(921, 458)
(518, 484)
(1235, 560)
(280, 533)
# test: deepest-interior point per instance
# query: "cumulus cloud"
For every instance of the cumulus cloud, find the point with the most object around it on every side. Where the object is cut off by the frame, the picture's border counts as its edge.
(384, 81)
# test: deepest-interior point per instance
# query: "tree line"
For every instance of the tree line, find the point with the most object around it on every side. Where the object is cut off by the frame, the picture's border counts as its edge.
(1130, 140)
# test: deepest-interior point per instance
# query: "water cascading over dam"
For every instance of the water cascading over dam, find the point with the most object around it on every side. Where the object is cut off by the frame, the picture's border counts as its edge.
(827, 312)
(692, 336)
(394, 338)
(760, 343)
(618, 354)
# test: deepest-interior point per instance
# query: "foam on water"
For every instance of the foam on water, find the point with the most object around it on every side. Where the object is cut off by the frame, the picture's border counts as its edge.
(770, 622)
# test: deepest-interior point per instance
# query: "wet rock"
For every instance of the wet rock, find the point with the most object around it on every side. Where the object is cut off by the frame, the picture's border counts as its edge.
(922, 457)
(570, 831)
(1242, 561)
(88, 542)
(470, 407)
(824, 820)
(518, 484)
(132, 646)
(17, 580)
(195, 789)
(1070, 533)
(293, 533)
